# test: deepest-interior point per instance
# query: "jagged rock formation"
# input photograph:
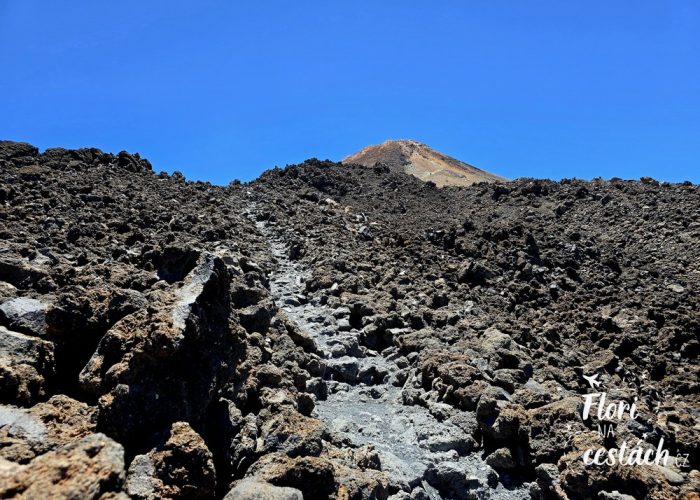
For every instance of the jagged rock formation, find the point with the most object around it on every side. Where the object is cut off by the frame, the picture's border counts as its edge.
(336, 331)
(421, 161)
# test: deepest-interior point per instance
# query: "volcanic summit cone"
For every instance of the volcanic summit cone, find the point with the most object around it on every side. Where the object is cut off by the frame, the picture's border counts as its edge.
(421, 161)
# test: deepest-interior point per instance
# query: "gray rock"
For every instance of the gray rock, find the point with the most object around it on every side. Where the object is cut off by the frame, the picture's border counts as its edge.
(335, 387)
(439, 437)
(19, 272)
(375, 391)
(501, 459)
(341, 312)
(291, 301)
(404, 473)
(317, 387)
(671, 476)
(7, 290)
(24, 315)
(401, 495)
(452, 481)
(350, 344)
(441, 411)
(344, 369)
(372, 374)
(402, 362)
(19, 348)
(25, 364)
(547, 476)
(251, 489)
(614, 495)
(140, 480)
(399, 378)
(365, 232)
(338, 351)
(20, 424)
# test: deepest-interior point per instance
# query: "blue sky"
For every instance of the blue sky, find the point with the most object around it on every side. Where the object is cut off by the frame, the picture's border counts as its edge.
(222, 90)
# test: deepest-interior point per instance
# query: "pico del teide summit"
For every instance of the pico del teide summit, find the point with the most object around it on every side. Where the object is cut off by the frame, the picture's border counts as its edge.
(421, 161)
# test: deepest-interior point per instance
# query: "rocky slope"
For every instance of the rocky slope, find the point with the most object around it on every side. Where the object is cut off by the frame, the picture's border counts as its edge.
(335, 331)
(421, 161)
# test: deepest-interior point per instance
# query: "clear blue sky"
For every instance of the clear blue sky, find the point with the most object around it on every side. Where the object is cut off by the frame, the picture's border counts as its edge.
(223, 90)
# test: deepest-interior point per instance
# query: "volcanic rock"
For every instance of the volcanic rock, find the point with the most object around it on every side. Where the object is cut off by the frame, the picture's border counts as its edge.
(26, 433)
(180, 467)
(92, 467)
(24, 315)
(399, 339)
(26, 367)
(141, 367)
(250, 489)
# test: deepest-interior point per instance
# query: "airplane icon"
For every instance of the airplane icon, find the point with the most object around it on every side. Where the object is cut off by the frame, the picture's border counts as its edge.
(592, 379)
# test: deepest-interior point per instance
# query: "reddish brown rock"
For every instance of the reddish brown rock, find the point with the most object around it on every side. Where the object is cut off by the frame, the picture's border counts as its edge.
(92, 467)
(181, 467)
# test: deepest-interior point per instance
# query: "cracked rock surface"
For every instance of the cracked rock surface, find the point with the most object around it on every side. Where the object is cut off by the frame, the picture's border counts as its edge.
(339, 331)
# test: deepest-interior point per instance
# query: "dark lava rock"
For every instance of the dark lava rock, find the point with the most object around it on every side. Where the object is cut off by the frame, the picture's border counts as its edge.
(137, 321)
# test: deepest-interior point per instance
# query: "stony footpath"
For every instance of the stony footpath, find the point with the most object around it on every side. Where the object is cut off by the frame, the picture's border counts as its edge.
(427, 452)
(496, 302)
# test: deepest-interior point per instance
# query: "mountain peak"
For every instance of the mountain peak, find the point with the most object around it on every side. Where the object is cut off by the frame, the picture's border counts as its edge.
(420, 160)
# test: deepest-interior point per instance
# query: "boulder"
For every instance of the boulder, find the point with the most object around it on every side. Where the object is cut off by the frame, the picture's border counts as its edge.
(320, 477)
(345, 369)
(26, 367)
(22, 274)
(28, 432)
(452, 481)
(453, 377)
(92, 467)
(501, 459)
(313, 476)
(166, 363)
(291, 433)
(552, 428)
(180, 467)
(24, 315)
(257, 317)
(250, 489)
(641, 481)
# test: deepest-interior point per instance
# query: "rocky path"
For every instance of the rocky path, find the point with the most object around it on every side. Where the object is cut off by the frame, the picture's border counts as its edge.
(427, 451)
(136, 318)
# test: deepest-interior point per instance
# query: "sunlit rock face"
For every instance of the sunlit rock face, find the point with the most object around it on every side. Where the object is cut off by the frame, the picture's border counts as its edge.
(421, 161)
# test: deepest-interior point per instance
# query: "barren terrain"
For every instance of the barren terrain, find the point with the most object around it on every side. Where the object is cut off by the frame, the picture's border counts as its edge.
(340, 331)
